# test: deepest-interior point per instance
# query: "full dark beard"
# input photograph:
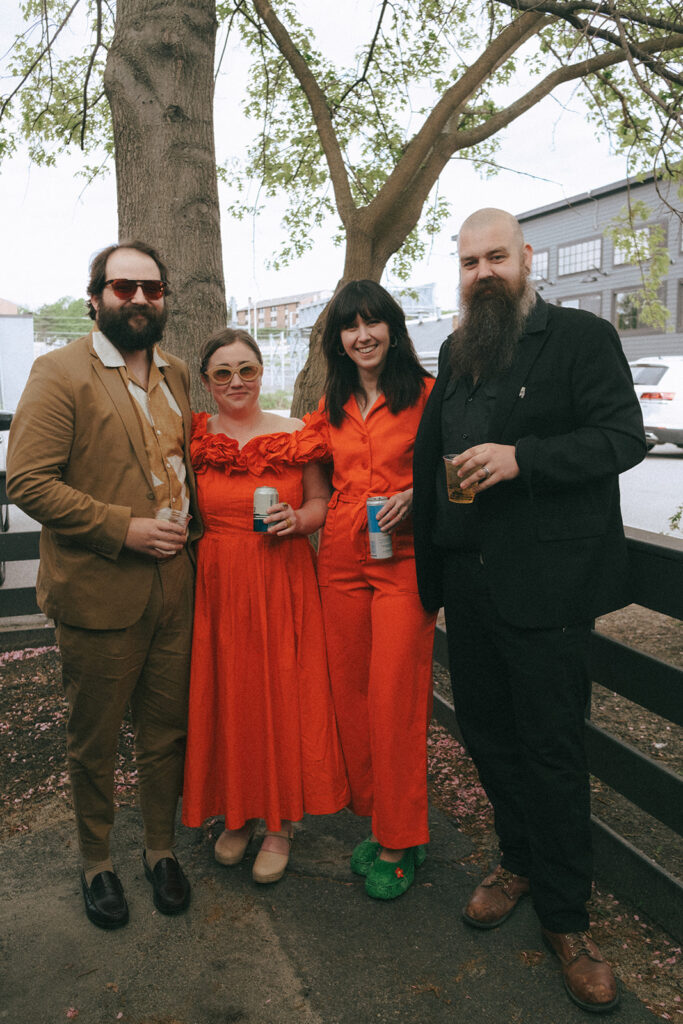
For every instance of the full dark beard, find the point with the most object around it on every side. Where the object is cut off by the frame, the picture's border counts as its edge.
(486, 342)
(115, 324)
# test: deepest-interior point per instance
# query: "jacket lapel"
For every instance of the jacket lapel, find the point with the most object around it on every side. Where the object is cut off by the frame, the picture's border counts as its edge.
(123, 403)
(175, 385)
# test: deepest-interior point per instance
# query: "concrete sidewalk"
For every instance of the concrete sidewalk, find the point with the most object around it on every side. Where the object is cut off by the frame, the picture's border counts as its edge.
(312, 949)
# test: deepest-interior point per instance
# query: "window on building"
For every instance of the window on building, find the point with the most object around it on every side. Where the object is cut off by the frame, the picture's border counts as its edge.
(625, 254)
(626, 314)
(573, 259)
(592, 302)
(539, 266)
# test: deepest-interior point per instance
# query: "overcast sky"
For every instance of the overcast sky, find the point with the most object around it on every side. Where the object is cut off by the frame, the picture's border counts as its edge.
(52, 223)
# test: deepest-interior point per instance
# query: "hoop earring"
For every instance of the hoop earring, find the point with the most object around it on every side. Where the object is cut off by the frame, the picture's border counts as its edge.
(393, 343)
(340, 350)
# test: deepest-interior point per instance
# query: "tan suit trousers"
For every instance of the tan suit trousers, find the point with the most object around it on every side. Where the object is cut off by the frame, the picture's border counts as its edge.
(145, 665)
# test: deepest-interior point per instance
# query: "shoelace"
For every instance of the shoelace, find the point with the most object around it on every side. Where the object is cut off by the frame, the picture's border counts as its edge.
(578, 945)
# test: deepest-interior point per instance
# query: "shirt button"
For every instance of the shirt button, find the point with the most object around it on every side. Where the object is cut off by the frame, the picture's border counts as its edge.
(464, 436)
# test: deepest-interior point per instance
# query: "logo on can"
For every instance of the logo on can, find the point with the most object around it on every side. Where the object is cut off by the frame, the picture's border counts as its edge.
(264, 497)
(380, 543)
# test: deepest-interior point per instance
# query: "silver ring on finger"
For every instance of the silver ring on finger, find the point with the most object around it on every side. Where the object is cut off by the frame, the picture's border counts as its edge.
(486, 471)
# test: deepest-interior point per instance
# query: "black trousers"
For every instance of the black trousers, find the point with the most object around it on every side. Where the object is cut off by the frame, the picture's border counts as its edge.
(520, 697)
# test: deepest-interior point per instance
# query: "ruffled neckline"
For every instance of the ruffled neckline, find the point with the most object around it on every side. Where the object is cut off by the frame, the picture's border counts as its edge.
(265, 451)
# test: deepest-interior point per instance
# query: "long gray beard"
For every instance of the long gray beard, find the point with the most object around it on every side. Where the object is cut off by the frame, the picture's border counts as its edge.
(486, 342)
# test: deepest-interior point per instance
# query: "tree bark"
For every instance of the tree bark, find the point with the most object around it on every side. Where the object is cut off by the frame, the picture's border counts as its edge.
(160, 87)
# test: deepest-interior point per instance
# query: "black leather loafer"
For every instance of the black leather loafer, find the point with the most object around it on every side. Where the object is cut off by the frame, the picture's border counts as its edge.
(171, 887)
(105, 903)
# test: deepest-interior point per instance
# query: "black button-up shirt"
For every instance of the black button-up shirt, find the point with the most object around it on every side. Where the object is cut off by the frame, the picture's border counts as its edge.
(465, 419)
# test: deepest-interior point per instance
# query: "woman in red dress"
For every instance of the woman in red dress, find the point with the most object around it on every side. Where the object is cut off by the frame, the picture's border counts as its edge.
(262, 739)
(379, 637)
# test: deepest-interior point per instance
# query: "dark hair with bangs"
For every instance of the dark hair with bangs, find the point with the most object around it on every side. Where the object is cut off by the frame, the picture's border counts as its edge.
(401, 380)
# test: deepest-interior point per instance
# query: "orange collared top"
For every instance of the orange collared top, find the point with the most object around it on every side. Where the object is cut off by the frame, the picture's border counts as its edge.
(372, 455)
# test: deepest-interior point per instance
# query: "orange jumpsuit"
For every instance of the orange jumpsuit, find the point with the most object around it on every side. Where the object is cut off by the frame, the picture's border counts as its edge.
(379, 637)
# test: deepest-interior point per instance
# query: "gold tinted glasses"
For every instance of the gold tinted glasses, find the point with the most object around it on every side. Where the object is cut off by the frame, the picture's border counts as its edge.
(224, 374)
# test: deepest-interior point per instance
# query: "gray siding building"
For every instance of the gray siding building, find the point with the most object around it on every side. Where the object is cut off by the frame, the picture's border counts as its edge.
(577, 264)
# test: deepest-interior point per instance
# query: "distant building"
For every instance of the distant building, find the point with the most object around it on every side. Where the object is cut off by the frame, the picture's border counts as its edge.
(278, 314)
(8, 308)
(301, 311)
(576, 264)
(16, 356)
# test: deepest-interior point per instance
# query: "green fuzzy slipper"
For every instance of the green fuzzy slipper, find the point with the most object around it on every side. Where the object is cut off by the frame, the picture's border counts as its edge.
(386, 881)
(420, 855)
(364, 856)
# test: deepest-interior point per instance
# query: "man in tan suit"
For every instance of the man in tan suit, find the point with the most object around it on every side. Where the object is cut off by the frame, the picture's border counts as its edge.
(99, 447)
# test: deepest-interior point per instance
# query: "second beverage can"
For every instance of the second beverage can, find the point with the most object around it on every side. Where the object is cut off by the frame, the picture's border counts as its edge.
(380, 543)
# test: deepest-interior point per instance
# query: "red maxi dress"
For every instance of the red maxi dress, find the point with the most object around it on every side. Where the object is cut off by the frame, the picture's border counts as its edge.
(379, 637)
(262, 739)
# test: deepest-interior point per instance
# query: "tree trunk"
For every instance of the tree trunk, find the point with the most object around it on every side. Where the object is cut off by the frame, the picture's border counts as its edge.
(159, 83)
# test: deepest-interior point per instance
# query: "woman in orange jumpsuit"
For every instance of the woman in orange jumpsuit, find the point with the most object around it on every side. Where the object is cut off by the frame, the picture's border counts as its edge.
(379, 637)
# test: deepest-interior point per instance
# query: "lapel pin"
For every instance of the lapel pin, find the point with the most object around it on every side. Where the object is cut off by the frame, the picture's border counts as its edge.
(522, 392)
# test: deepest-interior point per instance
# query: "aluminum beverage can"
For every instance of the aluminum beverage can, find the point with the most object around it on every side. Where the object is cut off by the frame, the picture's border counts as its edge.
(264, 497)
(380, 543)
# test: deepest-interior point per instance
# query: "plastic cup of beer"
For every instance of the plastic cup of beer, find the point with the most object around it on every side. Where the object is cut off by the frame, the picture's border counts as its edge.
(173, 515)
(455, 491)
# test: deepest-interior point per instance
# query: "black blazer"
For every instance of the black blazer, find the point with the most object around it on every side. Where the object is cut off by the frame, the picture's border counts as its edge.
(552, 539)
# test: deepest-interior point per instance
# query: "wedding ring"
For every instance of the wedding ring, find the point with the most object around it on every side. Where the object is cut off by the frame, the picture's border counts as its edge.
(486, 471)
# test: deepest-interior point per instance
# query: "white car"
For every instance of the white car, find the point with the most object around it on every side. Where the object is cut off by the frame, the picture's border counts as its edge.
(658, 381)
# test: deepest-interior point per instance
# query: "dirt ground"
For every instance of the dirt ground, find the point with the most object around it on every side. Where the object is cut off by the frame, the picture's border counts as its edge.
(34, 789)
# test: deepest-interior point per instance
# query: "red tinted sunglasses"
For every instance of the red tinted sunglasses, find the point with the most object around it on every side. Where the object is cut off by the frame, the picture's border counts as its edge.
(125, 289)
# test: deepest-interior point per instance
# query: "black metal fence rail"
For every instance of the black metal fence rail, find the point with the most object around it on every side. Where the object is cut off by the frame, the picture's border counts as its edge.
(15, 547)
(657, 577)
(657, 572)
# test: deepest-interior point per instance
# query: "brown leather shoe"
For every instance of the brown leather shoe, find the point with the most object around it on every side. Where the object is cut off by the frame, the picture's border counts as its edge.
(588, 978)
(495, 898)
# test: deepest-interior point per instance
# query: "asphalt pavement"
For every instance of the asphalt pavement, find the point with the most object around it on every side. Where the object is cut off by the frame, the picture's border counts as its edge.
(311, 949)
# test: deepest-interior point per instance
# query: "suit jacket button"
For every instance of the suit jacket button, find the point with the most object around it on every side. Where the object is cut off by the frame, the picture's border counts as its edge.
(150, 495)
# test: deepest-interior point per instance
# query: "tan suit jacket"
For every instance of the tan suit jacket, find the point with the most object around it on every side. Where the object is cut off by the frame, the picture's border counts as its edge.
(77, 464)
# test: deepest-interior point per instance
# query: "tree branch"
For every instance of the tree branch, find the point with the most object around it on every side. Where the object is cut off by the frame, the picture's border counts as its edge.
(363, 77)
(466, 139)
(46, 49)
(319, 109)
(421, 148)
(565, 11)
(91, 64)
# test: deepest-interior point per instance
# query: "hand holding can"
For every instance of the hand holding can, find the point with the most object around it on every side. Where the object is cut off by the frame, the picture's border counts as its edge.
(380, 543)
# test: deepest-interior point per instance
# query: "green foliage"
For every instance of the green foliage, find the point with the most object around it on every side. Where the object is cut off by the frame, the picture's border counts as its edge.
(420, 49)
(56, 102)
(415, 52)
(275, 399)
(60, 321)
(643, 243)
(375, 105)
